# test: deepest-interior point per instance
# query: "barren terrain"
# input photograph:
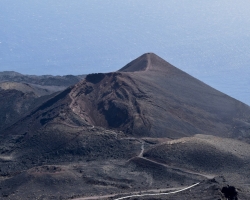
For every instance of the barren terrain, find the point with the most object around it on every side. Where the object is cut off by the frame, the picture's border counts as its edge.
(147, 128)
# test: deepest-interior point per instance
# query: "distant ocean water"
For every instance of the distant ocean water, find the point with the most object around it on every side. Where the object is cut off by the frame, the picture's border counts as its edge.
(207, 39)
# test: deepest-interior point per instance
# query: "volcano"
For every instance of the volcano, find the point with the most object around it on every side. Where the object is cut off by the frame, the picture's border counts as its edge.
(150, 97)
(148, 125)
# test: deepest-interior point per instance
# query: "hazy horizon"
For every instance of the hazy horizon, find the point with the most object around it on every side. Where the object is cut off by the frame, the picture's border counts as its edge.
(209, 40)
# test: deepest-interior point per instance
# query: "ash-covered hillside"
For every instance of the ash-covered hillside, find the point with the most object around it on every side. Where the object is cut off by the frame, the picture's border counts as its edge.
(148, 127)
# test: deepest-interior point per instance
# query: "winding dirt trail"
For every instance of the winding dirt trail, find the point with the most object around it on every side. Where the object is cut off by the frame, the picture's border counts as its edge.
(75, 107)
(150, 192)
(71, 105)
(142, 149)
(78, 111)
(140, 155)
(157, 194)
(209, 176)
(153, 192)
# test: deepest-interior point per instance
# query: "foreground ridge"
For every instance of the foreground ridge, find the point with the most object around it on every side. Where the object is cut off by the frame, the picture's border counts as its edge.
(140, 195)
(157, 194)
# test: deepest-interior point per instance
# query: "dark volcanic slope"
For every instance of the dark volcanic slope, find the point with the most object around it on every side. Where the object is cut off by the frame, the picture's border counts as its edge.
(159, 100)
(20, 93)
(17, 99)
(153, 98)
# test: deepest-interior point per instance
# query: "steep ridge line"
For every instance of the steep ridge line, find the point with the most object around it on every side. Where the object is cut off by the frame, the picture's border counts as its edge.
(77, 110)
(149, 62)
(71, 105)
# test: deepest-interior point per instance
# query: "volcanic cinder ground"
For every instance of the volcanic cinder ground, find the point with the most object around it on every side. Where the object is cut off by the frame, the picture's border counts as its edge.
(147, 128)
